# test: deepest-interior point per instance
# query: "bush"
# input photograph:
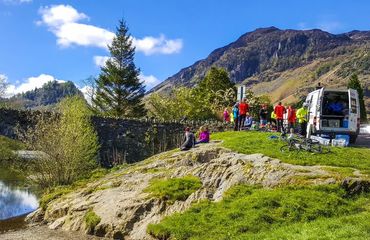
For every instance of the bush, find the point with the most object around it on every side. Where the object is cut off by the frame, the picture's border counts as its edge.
(68, 144)
(174, 189)
(7, 146)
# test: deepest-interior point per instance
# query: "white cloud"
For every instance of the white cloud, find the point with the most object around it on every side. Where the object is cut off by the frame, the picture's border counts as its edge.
(100, 60)
(64, 22)
(149, 80)
(30, 84)
(57, 15)
(152, 45)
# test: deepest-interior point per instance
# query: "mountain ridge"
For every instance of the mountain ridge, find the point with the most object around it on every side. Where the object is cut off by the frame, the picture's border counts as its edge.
(266, 54)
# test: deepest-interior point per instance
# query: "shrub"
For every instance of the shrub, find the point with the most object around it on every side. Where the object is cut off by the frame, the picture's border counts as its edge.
(91, 220)
(174, 189)
(68, 143)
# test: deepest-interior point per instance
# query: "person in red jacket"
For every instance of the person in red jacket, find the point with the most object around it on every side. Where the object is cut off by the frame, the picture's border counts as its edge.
(243, 110)
(291, 118)
(279, 110)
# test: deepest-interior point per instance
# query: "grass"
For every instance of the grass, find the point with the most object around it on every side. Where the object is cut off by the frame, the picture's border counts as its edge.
(91, 220)
(174, 188)
(259, 142)
(284, 213)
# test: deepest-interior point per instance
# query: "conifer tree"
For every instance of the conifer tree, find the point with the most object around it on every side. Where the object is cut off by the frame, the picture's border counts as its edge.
(119, 92)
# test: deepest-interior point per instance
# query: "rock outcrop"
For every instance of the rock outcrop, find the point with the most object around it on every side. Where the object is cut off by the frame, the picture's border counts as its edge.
(125, 209)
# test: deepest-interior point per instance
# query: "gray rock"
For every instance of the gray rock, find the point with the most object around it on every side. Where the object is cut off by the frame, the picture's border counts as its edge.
(126, 209)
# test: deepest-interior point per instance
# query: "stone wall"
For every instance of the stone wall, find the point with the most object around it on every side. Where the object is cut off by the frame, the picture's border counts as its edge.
(121, 140)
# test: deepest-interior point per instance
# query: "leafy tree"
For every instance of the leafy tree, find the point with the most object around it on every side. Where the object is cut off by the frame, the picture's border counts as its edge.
(205, 101)
(119, 91)
(183, 102)
(68, 144)
(216, 79)
(354, 83)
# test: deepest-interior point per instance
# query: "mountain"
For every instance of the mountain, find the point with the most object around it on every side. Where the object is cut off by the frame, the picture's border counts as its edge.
(286, 64)
(45, 97)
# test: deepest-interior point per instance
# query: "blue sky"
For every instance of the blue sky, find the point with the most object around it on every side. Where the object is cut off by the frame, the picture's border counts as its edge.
(43, 40)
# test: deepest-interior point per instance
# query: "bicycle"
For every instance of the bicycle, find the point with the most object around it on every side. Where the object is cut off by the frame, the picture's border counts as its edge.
(298, 144)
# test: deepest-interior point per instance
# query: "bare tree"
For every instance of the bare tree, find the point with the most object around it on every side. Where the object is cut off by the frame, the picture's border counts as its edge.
(3, 85)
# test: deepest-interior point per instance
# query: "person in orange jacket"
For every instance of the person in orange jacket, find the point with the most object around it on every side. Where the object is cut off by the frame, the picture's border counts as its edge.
(243, 110)
(279, 110)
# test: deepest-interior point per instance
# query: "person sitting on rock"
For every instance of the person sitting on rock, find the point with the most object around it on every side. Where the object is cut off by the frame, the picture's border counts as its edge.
(189, 140)
(248, 122)
(204, 135)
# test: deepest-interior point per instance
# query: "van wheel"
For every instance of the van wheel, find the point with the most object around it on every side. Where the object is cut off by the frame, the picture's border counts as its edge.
(352, 139)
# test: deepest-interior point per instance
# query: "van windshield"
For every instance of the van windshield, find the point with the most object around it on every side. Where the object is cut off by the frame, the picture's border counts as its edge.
(335, 104)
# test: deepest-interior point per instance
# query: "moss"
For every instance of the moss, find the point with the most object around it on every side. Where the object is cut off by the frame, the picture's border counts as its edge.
(173, 189)
(91, 220)
(248, 167)
(52, 195)
(340, 173)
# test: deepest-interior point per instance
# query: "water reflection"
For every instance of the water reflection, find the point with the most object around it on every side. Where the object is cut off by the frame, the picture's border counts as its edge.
(15, 201)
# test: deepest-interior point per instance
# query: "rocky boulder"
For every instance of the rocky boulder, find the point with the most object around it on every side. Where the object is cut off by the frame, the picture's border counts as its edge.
(124, 209)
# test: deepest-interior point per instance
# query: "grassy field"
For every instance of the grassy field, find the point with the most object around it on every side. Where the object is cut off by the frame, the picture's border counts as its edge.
(321, 212)
(250, 142)
(295, 212)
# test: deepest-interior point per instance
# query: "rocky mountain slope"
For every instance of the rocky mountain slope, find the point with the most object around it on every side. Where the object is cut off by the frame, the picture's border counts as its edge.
(285, 63)
(124, 207)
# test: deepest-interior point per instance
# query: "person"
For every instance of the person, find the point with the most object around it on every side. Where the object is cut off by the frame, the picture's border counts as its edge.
(302, 119)
(243, 109)
(226, 115)
(236, 116)
(189, 140)
(248, 121)
(291, 117)
(273, 118)
(263, 115)
(279, 111)
(203, 135)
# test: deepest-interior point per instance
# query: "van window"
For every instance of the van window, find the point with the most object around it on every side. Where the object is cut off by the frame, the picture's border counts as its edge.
(335, 104)
(353, 105)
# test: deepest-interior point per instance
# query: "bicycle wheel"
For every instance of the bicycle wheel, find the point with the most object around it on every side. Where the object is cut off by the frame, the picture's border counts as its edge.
(316, 148)
(287, 148)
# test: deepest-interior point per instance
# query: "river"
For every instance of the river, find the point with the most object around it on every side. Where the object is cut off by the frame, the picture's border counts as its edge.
(16, 200)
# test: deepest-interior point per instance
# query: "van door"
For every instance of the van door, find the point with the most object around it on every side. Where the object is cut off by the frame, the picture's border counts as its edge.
(353, 113)
(319, 109)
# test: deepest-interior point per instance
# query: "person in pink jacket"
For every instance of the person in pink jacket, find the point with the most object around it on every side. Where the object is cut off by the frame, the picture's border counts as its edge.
(204, 135)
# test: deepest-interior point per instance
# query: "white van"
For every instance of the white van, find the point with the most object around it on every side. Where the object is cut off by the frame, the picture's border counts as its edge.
(333, 112)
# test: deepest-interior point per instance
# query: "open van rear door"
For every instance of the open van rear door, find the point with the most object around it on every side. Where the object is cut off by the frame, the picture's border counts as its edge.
(354, 110)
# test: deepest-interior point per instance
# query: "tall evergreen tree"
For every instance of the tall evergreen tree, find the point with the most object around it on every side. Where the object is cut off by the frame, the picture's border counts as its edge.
(119, 91)
(354, 83)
